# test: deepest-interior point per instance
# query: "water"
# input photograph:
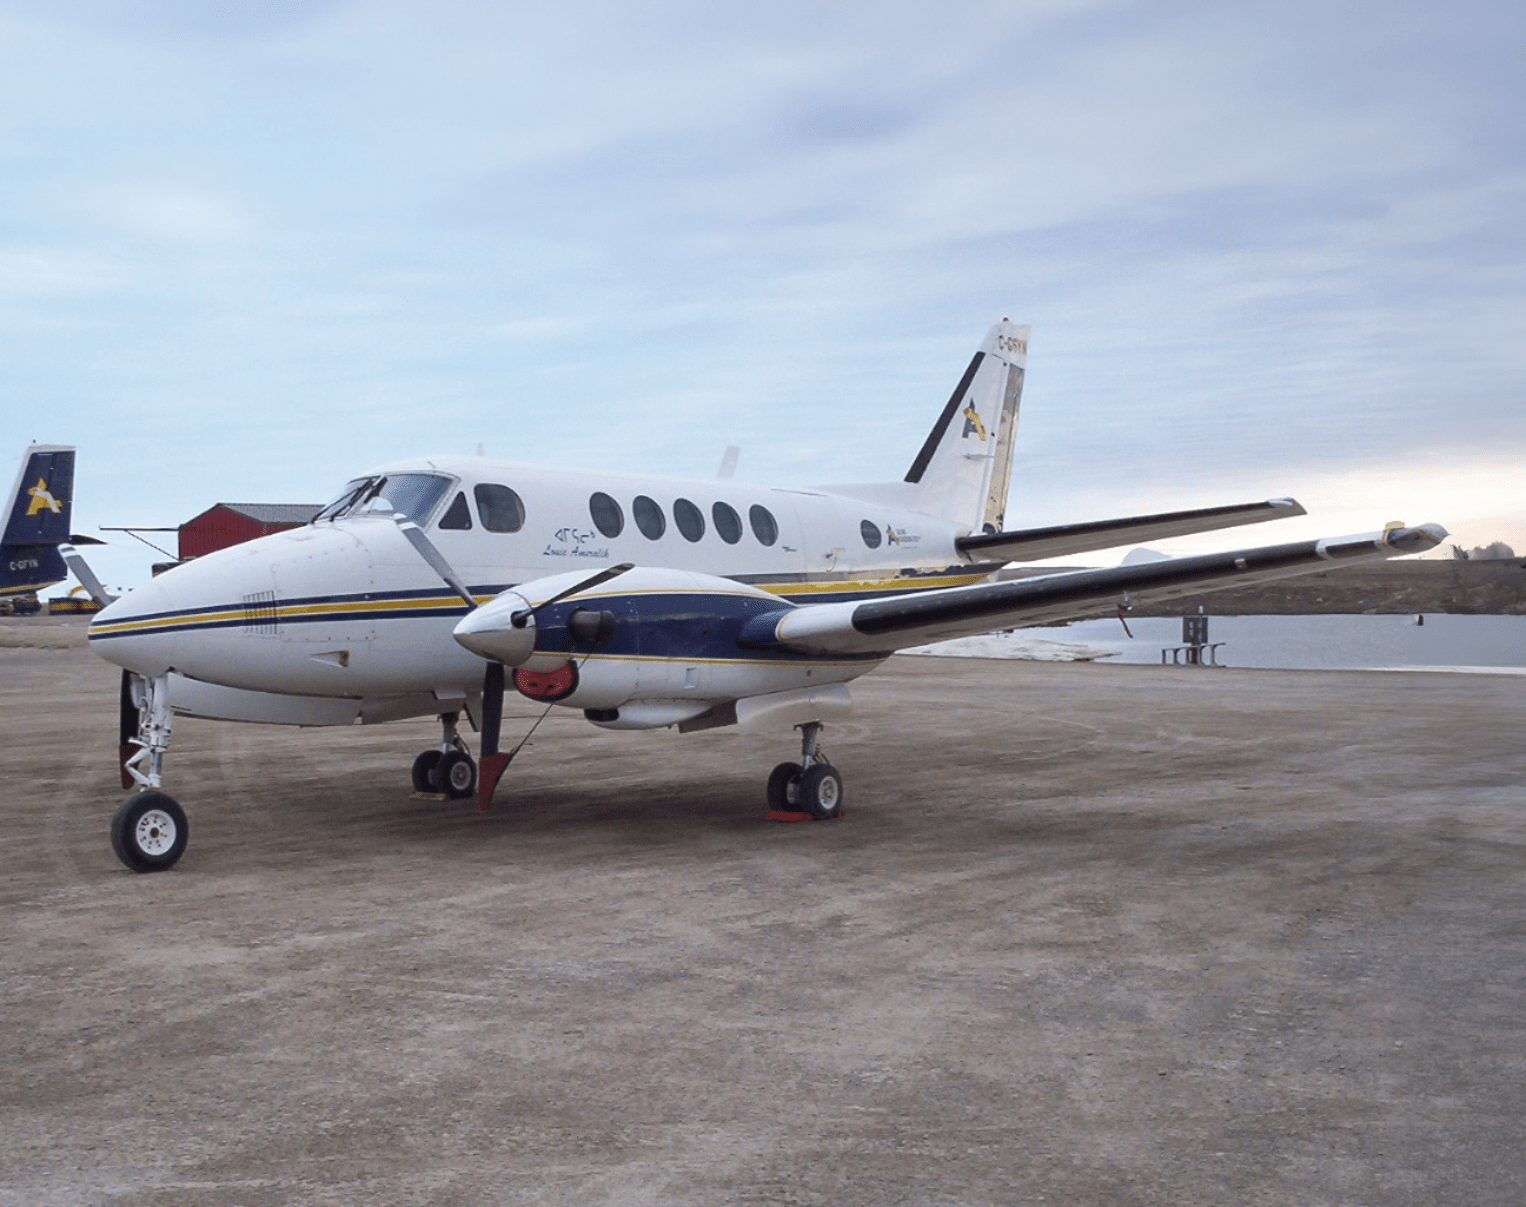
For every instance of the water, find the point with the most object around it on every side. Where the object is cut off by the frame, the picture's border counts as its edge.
(1491, 644)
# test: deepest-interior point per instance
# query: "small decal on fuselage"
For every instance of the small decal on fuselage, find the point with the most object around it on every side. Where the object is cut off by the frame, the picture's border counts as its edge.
(573, 542)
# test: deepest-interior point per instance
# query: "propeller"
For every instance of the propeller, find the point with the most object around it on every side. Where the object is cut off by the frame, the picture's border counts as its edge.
(524, 615)
(424, 547)
(491, 763)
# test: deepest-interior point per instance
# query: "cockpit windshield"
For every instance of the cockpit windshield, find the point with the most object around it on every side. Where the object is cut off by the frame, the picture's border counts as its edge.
(344, 500)
(413, 495)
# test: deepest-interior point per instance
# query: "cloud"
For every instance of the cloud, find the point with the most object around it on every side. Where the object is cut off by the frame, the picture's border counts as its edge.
(1259, 244)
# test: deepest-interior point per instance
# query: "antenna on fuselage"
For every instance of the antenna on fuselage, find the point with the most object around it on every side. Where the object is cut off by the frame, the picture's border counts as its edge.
(728, 469)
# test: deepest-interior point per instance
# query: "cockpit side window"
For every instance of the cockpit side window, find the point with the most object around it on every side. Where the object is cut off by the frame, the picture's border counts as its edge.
(458, 515)
(501, 508)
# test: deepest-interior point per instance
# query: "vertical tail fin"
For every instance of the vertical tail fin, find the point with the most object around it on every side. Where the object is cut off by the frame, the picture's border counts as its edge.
(38, 521)
(965, 465)
(43, 497)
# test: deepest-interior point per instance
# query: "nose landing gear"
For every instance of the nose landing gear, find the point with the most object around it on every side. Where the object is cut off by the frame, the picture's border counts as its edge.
(149, 830)
(448, 771)
(808, 790)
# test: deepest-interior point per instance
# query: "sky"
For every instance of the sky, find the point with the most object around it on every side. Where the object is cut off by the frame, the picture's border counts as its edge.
(248, 251)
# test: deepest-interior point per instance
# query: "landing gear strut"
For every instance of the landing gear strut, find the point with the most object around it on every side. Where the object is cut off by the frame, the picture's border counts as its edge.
(149, 830)
(811, 787)
(448, 770)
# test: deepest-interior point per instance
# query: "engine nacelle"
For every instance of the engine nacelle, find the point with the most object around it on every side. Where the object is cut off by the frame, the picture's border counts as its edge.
(654, 647)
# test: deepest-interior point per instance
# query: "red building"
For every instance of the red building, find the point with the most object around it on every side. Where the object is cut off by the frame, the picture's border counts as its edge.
(225, 524)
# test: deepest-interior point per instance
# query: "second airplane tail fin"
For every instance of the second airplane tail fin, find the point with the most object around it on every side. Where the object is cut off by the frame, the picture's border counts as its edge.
(965, 465)
(43, 497)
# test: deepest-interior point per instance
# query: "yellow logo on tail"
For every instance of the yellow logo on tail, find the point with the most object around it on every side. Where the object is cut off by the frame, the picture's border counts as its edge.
(42, 497)
(972, 422)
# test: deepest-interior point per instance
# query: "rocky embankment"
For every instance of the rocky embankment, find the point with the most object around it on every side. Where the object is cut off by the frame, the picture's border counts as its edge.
(1492, 588)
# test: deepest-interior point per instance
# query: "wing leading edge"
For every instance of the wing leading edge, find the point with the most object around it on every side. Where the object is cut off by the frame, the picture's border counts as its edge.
(915, 618)
(1035, 544)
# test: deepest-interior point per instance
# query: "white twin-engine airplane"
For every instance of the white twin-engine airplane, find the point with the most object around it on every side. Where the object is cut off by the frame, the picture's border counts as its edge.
(428, 586)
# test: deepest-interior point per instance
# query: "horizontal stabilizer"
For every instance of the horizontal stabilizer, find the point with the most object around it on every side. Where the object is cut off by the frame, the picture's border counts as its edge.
(1036, 544)
(884, 625)
(85, 574)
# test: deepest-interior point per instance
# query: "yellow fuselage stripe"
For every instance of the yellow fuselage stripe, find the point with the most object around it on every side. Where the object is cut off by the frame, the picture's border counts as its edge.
(340, 610)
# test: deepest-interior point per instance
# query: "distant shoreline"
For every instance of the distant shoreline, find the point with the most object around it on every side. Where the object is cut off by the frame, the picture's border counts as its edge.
(1492, 588)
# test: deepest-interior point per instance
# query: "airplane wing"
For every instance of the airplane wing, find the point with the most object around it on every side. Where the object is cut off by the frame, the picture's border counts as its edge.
(915, 618)
(1035, 544)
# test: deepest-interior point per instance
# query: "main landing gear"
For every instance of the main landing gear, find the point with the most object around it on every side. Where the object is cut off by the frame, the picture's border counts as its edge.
(448, 771)
(810, 788)
(149, 831)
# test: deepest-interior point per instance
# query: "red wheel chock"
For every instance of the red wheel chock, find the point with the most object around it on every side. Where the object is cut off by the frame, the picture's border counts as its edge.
(490, 769)
(786, 815)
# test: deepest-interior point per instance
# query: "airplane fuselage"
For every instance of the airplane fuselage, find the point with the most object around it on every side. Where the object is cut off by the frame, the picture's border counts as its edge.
(345, 608)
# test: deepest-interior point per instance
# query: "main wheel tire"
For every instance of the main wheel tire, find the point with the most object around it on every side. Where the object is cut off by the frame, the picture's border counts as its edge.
(784, 788)
(455, 775)
(423, 771)
(821, 791)
(149, 832)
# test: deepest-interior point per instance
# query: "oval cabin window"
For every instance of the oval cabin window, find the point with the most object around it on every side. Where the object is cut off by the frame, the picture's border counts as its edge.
(870, 531)
(764, 526)
(689, 518)
(727, 523)
(606, 513)
(649, 517)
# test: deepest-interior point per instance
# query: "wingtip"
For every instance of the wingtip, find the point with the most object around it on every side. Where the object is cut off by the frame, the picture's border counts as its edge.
(1417, 539)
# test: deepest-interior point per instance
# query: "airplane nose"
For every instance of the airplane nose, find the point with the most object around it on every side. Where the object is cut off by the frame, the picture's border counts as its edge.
(136, 631)
(490, 632)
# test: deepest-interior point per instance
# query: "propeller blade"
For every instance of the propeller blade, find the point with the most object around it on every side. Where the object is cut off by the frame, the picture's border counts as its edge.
(426, 550)
(127, 727)
(492, 707)
(86, 576)
(520, 618)
(490, 763)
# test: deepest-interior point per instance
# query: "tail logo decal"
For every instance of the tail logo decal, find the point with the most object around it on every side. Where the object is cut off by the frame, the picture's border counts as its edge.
(42, 497)
(972, 422)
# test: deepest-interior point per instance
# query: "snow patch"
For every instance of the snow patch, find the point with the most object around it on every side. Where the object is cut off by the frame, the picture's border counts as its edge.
(1015, 645)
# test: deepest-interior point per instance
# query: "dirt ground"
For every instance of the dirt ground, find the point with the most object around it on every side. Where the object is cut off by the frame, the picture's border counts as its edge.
(1087, 934)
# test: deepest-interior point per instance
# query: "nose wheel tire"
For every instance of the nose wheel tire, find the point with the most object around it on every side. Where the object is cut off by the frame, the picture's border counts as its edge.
(821, 791)
(784, 788)
(149, 832)
(423, 771)
(455, 775)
